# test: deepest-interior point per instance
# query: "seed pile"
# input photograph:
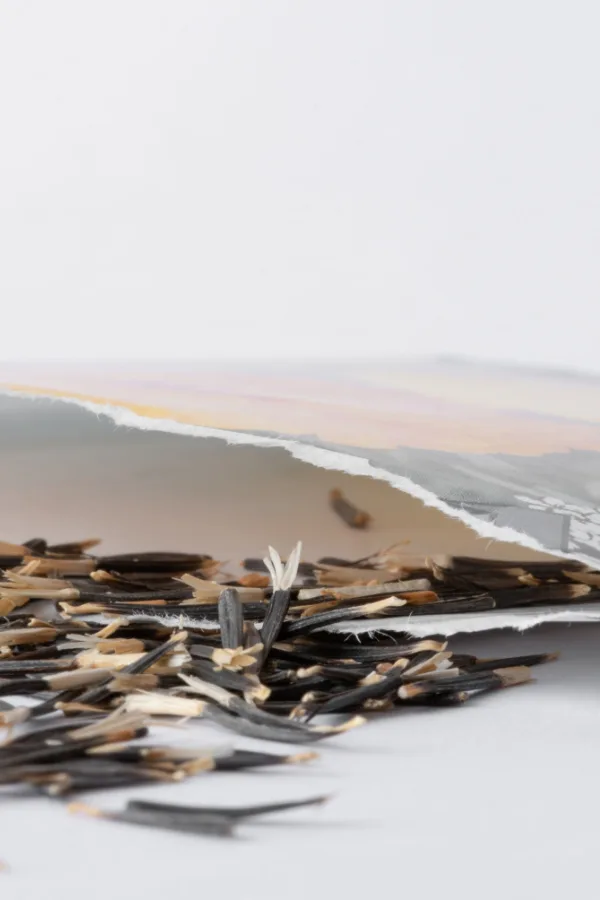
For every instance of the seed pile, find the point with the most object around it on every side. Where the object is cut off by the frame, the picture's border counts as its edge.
(109, 646)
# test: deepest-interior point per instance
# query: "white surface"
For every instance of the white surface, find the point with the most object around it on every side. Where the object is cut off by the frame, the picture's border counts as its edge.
(496, 799)
(222, 178)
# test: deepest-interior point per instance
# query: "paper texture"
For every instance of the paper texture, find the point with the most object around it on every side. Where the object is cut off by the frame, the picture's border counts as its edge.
(513, 453)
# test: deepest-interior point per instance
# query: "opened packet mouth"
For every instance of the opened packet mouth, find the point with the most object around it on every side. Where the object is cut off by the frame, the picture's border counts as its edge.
(450, 457)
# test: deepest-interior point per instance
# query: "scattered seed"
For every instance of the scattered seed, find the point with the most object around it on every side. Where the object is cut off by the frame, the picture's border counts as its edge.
(352, 516)
(180, 639)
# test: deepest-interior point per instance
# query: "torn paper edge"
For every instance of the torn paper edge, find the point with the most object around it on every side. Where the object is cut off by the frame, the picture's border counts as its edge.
(316, 456)
(416, 626)
(472, 623)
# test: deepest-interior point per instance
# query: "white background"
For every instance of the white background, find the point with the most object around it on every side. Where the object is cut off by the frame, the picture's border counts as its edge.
(193, 178)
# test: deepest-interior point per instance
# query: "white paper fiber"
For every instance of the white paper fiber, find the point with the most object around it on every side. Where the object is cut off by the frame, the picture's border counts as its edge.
(422, 626)
(515, 619)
